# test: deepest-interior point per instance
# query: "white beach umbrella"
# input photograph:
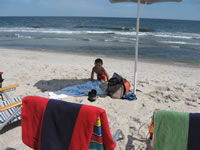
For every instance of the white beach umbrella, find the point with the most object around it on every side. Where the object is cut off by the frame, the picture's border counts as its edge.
(137, 27)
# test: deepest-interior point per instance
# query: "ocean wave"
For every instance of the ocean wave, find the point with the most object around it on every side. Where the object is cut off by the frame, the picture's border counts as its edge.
(92, 39)
(42, 31)
(173, 46)
(179, 42)
(173, 42)
(63, 31)
(23, 36)
(115, 39)
(196, 38)
(173, 36)
(177, 35)
(99, 39)
(105, 27)
(116, 28)
(55, 31)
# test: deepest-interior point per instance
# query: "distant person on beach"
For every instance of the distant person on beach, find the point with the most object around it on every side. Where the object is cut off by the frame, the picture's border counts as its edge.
(102, 75)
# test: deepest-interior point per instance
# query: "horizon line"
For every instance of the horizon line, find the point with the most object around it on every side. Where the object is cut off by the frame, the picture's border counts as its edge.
(101, 17)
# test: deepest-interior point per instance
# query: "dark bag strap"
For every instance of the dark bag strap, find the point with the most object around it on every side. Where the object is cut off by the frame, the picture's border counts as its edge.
(113, 81)
(116, 79)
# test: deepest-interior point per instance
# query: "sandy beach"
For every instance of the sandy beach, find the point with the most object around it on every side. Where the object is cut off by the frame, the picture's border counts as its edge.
(167, 86)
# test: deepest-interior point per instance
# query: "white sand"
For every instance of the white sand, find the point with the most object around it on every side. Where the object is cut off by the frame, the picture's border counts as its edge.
(165, 86)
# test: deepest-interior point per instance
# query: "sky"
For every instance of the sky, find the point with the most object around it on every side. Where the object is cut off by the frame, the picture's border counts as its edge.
(185, 10)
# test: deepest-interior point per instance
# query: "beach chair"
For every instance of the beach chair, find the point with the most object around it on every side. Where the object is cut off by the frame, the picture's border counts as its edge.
(5, 90)
(10, 111)
(175, 130)
(62, 125)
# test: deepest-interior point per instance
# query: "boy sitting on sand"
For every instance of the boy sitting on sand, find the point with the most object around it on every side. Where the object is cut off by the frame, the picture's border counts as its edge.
(102, 75)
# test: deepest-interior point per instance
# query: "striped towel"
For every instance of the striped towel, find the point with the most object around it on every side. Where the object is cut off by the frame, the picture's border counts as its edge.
(96, 142)
(64, 125)
(7, 113)
(176, 130)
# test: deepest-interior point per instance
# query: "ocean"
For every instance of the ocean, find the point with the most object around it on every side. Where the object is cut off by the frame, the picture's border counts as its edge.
(160, 39)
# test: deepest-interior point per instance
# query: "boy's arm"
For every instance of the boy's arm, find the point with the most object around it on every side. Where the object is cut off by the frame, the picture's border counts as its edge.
(92, 75)
(107, 76)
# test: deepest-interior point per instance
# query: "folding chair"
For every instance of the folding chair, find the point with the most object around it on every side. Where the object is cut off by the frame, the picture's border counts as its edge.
(10, 111)
(5, 90)
(54, 124)
(151, 133)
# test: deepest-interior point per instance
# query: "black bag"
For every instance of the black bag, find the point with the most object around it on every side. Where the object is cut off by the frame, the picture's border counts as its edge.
(115, 86)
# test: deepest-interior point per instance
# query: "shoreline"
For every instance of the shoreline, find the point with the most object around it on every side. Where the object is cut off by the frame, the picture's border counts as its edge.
(144, 60)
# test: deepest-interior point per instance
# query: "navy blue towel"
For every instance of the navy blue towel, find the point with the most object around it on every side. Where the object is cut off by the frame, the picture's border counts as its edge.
(56, 129)
(194, 132)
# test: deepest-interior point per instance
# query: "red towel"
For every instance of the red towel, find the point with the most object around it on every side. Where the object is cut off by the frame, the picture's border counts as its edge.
(88, 116)
(32, 116)
(33, 108)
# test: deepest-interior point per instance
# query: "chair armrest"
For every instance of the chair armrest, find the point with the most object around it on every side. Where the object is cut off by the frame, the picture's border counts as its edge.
(10, 106)
(9, 87)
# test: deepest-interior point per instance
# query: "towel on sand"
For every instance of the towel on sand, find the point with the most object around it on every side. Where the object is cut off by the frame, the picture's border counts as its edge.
(53, 124)
(78, 90)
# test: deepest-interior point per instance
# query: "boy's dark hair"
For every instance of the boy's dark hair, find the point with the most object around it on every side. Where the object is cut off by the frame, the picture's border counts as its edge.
(98, 61)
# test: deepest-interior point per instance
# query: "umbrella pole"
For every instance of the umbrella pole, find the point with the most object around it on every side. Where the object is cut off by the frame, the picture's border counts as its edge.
(136, 45)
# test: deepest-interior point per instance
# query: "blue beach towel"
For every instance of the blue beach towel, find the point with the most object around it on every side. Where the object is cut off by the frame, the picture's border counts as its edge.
(78, 90)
